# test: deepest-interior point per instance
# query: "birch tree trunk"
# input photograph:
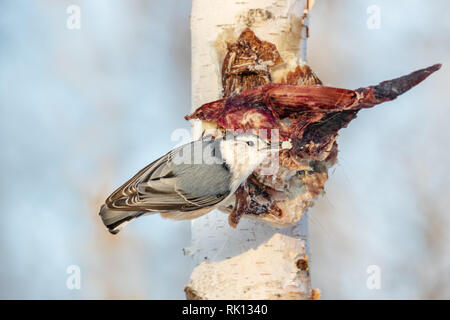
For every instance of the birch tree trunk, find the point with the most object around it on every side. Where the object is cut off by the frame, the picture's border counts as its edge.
(253, 261)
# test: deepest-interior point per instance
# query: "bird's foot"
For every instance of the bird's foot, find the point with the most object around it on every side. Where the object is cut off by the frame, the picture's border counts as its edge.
(240, 206)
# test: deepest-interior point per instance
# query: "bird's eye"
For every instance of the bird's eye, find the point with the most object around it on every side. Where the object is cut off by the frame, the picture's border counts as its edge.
(250, 143)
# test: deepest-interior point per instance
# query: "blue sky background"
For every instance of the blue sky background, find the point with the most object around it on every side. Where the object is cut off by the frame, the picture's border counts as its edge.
(83, 110)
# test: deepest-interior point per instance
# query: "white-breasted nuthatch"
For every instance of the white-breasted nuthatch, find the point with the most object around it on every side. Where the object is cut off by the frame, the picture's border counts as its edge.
(189, 181)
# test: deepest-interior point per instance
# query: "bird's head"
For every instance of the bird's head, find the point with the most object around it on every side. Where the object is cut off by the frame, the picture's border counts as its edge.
(243, 153)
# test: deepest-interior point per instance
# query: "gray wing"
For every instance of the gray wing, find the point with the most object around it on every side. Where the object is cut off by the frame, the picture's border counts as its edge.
(188, 178)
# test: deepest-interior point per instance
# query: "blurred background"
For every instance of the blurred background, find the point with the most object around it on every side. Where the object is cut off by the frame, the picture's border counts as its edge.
(83, 110)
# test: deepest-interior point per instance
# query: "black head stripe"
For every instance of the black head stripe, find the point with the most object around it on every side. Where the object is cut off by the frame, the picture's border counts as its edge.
(226, 166)
(216, 152)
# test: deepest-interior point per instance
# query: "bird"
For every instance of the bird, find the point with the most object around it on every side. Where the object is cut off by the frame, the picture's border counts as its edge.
(189, 181)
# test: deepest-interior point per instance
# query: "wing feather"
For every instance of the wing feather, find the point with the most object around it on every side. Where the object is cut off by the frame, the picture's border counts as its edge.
(157, 187)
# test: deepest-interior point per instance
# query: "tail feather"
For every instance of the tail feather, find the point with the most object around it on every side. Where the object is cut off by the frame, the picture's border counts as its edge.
(115, 220)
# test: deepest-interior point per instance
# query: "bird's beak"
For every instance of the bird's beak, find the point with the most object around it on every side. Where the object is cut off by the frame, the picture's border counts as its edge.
(274, 146)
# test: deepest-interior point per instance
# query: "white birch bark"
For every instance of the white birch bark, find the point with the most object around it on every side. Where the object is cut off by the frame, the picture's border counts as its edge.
(253, 261)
